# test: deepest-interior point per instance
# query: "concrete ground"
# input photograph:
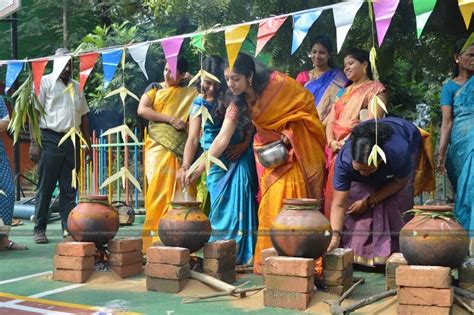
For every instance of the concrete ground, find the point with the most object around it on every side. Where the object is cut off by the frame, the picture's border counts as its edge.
(26, 287)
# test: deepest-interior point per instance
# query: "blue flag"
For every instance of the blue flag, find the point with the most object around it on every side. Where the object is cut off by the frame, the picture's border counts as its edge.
(13, 70)
(110, 60)
(301, 25)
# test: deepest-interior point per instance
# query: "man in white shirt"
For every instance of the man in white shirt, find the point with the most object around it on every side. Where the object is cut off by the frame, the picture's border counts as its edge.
(56, 163)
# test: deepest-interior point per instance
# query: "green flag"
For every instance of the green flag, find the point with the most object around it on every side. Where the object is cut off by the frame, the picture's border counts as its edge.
(198, 41)
(423, 9)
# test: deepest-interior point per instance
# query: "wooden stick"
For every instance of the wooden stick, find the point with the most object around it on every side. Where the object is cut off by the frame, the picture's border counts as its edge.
(368, 300)
(212, 282)
(463, 293)
(460, 301)
(219, 294)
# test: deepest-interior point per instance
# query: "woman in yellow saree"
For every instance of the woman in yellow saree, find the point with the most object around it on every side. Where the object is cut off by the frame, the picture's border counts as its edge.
(167, 110)
(281, 108)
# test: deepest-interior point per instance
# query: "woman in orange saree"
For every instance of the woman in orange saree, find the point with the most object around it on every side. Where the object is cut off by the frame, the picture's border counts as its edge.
(167, 110)
(281, 109)
(351, 108)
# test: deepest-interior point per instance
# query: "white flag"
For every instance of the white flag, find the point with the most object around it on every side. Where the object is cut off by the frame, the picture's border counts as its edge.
(138, 53)
(59, 62)
(343, 17)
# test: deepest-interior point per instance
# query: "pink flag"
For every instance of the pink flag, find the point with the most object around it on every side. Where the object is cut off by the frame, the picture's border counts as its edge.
(87, 63)
(384, 11)
(171, 49)
(38, 70)
(266, 30)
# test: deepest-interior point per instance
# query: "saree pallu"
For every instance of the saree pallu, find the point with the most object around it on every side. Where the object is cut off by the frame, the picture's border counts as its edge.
(286, 107)
(162, 156)
(347, 110)
(460, 157)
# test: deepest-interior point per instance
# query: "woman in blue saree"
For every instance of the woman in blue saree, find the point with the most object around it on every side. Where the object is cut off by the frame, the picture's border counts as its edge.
(324, 80)
(228, 137)
(457, 105)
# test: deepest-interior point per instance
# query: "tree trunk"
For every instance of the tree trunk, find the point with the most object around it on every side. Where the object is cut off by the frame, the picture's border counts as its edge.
(65, 21)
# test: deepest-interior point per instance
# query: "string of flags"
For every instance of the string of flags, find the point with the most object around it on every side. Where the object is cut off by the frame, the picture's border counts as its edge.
(343, 13)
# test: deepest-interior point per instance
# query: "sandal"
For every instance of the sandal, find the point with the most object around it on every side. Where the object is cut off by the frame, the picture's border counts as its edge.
(16, 246)
(16, 222)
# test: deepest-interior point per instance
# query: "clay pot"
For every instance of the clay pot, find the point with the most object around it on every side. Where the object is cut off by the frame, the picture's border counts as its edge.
(185, 225)
(434, 241)
(300, 229)
(93, 220)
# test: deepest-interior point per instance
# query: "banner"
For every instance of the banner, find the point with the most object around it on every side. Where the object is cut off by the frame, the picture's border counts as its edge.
(86, 64)
(138, 53)
(266, 30)
(301, 25)
(38, 67)
(13, 70)
(467, 8)
(234, 37)
(59, 62)
(171, 49)
(423, 10)
(384, 11)
(110, 60)
(198, 41)
(343, 19)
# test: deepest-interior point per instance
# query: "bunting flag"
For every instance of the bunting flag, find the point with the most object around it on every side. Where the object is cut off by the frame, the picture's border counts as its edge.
(384, 11)
(343, 19)
(138, 53)
(266, 30)
(234, 37)
(87, 63)
(59, 62)
(423, 10)
(13, 70)
(110, 60)
(38, 67)
(466, 7)
(301, 24)
(198, 41)
(171, 49)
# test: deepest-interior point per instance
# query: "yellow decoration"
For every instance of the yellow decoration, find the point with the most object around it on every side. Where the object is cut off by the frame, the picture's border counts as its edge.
(207, 158)
(204, 112)
(123, 91)
(124, 130)
(203, 74)
(373, 157)
(466, 7)
(234, 37)
(373, 65)
(376, 102)
(123, 174)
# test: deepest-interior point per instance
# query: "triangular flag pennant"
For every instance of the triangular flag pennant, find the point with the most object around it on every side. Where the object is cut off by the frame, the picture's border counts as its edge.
(343, 18)
(423, 9)
(59, 62)
(266, 30)
(466, 7)
(301, 24)
(110, 60)
(171, 49)
(234, 37)
(13, 70)
(38, 70)
(198, 41)
(138, 53)
(384, 11)
(87, 63)
(468, 43)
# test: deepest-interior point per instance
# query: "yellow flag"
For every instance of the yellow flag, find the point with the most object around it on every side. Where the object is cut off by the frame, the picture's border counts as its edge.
(234, 37)
(466, 7)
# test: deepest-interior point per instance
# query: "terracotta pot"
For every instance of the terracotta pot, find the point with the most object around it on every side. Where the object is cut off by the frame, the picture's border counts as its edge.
(434, 241)
(185, 225)
(93, 220)
(300, 229)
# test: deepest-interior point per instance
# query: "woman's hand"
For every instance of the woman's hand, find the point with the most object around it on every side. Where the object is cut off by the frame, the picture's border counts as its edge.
(234, 152)
(358, 207)
(335, 240)
(192, 177)
(335, 145)
(285, 140)
(181, 176)
(440, 166)
(177, 123)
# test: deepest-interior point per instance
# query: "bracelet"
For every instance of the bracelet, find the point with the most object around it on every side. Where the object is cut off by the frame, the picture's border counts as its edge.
(185, 167)
(371, 201)
(335, 232)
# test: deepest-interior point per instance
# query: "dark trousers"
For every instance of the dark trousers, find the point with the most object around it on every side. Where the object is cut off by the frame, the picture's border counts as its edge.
(55, 164)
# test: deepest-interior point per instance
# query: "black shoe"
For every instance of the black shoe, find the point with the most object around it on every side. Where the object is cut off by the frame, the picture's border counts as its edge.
(39, 237)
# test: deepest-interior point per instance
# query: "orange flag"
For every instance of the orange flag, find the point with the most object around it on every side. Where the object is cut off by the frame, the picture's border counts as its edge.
(266, 30)
(38, 70)
(87, 63)
(234, 37)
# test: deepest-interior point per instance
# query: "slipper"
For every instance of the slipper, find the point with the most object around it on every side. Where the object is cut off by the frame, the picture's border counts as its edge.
(16, 222)
(16, 246)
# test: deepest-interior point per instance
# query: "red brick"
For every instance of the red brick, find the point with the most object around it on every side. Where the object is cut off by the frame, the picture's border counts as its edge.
(128, 271)
(390, 283)
(339, 289)
(423, 277)
(289, 284)
(337, 277)
(338, 259)
(290, 300)
(214, 265)
(395, 260)
(76, 276)
(73, 263)
(164, 271)
(268, 252)
(168, 255)
(406, 309)
(165, 285)
(219, 249)
(76, 249)
(425, 296)
(466, 271)
(467, 286)
(289, 266)
(228, 276)
(120, 246)
(126, 259)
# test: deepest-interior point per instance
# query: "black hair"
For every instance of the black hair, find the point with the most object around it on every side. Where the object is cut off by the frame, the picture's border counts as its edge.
(215, 66)
(326, 43)
(361, 56)
(182, 65)
(363, 139)
(246, 65)
(458, 45)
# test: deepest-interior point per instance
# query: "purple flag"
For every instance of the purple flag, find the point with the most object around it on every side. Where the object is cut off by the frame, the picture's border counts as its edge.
(384, 11)
(13, 70)
(171, 49)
